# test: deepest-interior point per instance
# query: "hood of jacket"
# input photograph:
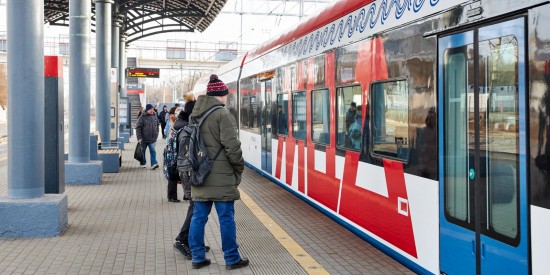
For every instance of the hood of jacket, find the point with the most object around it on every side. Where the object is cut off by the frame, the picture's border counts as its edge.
(180, 123)
(203, 104)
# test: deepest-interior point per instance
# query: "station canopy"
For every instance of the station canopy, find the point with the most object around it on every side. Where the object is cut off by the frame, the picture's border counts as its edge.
(142, 18)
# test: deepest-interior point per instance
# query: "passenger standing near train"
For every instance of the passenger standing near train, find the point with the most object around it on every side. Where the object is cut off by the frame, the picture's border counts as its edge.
(282, 125)
(182, 240)
(170, 118)
(350, 115)
(219, 131)
(162, 115)
(147, 132)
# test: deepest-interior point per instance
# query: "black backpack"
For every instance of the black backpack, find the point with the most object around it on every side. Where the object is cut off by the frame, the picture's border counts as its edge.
(193, 161)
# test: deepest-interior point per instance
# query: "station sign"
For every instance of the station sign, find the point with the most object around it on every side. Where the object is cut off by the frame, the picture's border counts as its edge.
(143, 72)
(135, 88)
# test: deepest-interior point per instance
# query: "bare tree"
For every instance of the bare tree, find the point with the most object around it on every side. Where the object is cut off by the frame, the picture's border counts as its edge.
(3, 87)
(154, 93)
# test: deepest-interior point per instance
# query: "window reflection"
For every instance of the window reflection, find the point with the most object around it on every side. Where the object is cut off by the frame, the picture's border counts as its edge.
(349, 120)
(390, 127)
(320, 123)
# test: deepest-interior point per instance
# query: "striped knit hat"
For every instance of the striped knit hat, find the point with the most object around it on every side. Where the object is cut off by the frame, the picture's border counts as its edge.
(216, 87)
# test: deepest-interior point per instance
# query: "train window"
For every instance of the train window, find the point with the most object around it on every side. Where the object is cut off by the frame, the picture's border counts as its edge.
(232, 100)
(250, 95)
(299, 115)
(390, 119)
(244, 110)
(282, 114)
(348, 124)
(320, 124)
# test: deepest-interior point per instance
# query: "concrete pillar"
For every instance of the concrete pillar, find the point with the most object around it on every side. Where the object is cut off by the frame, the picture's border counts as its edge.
(103, 69)
(80, 169)
(122, 63)
(26, 211)
(25, 56)
(115, 42)
(79, 81)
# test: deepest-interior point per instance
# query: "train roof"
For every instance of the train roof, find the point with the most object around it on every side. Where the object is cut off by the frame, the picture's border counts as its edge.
(329, 14)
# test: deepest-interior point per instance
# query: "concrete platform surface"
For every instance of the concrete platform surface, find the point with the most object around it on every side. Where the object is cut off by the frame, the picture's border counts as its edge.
(127, 226)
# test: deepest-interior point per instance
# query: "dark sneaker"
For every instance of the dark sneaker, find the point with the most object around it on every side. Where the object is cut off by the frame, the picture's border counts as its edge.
(207, 248)
(242, 263)
(174, 200)
(155, 166)
(183, 249)
(201, 264)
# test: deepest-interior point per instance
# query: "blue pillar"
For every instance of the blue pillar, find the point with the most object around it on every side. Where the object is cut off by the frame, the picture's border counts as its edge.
(26, 211)
(79, 81)
(25, 57)
(103, 69)
(80, 167)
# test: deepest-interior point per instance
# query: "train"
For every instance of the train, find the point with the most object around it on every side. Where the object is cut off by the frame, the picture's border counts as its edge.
(422, 126)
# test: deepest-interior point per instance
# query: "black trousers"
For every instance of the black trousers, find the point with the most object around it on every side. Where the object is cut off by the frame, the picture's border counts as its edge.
(183, 237)
(162, 126)
(172, 190)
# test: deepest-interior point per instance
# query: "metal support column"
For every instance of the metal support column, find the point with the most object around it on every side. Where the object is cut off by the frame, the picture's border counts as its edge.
(26, 211)
(25, 25)
(82, 167)
(103, 69)
(115, 42)
(122, 63)
(79, 81)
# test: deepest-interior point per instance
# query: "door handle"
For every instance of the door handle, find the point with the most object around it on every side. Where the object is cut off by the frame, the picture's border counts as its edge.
(482, 250)
(473, 247)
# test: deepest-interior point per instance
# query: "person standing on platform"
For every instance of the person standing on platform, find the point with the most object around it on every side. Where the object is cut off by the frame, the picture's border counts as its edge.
(170, 119)
(162, 115)
(219, 131)
(141, 111)
(147, 132)
(182, 240)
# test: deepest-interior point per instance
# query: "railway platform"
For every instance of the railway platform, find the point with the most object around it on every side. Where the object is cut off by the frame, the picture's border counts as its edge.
(127, 226)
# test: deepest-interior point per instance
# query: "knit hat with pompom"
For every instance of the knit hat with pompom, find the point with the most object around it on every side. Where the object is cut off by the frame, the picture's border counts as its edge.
(216, 87)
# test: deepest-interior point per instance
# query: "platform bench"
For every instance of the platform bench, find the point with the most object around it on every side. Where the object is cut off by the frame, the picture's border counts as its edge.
(112, 160)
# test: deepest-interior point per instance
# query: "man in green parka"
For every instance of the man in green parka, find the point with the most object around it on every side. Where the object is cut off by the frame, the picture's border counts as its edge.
(219, 130)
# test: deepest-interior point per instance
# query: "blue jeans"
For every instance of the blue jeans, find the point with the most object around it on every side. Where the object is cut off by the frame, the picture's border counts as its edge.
(152, 151)
(228, 229)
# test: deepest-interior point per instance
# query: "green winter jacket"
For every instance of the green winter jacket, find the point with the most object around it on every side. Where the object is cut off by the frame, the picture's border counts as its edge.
(219, 129)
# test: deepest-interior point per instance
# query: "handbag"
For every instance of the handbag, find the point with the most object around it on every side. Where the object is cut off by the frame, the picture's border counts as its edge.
(139, 154)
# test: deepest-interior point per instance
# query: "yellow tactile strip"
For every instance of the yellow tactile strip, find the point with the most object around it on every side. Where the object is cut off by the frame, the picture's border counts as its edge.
(310, 265)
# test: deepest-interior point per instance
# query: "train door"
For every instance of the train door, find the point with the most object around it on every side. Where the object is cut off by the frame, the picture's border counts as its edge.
(482, 150)
(265, 127)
